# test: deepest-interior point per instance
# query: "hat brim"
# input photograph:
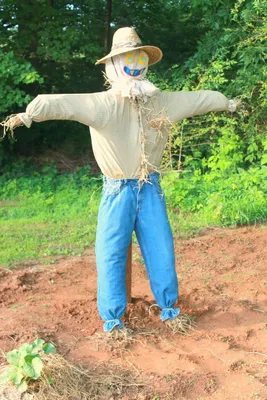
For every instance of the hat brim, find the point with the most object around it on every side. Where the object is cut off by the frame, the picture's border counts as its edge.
(154, 54)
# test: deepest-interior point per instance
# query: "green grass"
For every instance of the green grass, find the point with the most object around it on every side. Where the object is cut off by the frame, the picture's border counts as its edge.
(45, 214)
(41, 217)
(30, 239)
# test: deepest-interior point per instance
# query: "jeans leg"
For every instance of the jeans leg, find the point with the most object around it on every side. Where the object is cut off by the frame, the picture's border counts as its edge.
(116, 220)
(155, 238)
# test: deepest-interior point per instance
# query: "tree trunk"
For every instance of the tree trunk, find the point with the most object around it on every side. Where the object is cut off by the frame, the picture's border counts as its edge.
(108, 21)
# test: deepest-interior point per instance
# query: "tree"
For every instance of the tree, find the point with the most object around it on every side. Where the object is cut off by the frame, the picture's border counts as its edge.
(58, 41)
(231, 57)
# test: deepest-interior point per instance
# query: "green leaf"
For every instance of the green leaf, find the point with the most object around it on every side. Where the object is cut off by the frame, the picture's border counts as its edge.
(18, 378)
(49, 348)
(26, 348)
(37, 365)
(264, 159)
(13, 372)
(37, 345)
(29, 358)
(13, 357)
(29, 370)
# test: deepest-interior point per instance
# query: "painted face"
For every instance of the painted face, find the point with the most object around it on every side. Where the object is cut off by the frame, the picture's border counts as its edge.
(131, 65)
(135, 63)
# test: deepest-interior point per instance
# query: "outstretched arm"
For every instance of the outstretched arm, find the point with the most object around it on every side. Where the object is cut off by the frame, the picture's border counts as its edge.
(181, 105)
(88, 109)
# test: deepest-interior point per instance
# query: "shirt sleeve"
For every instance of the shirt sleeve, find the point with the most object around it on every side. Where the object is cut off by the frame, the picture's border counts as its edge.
(88, 109)
(181, 105)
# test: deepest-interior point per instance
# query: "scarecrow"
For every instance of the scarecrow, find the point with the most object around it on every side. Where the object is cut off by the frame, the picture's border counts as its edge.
(129, 125)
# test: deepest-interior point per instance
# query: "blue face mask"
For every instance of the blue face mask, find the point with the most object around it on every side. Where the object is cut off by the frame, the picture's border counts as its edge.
(133, 72)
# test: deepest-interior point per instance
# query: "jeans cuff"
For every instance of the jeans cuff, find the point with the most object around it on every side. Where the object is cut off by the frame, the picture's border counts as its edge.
(169, 313)
(109, 325)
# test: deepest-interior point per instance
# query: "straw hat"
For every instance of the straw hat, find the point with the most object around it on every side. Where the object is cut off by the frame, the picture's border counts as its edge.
(125, 40)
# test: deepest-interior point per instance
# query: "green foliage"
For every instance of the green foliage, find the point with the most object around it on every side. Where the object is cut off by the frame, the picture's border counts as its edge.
(221, 200)
(171, 25)
(58, 42)
(26, 363)
(231, 57)
(15, 72)
(46, 214)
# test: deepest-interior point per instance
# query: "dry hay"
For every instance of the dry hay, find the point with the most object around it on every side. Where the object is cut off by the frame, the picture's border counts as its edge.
(181, 324)
(159, 122)
(10, 392)
(120, 340)
(68, 381)
(121, 334)
(10, 123)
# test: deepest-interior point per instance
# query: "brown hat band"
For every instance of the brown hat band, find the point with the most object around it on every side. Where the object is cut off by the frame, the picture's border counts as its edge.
(129, 44)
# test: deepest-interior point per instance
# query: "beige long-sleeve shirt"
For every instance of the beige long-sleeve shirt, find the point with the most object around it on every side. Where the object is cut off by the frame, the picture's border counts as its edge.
(116, 131)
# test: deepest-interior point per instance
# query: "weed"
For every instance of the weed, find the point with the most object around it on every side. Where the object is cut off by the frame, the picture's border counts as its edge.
(26, 363)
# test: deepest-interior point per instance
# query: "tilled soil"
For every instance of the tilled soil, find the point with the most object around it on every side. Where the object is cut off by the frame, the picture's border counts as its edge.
(223, 283)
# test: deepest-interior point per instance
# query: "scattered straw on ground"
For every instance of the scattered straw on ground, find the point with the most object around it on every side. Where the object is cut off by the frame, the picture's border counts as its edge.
(79, 383)
(120, 334)
(120, 341)
(181, 324)
(10, 392)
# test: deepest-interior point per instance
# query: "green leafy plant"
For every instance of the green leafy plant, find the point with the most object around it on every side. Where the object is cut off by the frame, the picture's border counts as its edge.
(26, 363)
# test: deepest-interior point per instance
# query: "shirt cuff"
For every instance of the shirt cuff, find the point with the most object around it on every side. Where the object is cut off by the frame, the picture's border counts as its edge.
(26, 119)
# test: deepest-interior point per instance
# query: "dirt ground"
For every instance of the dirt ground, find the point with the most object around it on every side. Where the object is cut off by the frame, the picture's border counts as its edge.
(223, 283)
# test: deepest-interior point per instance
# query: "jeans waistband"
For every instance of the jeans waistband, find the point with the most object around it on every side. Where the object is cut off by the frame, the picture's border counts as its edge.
(153, 176)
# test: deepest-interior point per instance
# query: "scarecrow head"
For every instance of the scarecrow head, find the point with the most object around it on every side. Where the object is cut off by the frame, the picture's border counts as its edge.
(128, 59)
(130, 65)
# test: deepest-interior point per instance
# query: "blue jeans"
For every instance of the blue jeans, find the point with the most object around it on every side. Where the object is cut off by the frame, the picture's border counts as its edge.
(127, 206)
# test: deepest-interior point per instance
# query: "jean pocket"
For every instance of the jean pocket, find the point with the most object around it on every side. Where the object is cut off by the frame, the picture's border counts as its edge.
(112, 187)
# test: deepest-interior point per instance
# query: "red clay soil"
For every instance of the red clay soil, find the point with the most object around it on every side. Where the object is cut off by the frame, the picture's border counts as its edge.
(223, 282)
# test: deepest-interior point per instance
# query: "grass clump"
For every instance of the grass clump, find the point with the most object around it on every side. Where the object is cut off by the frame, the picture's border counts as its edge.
(199, 200)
